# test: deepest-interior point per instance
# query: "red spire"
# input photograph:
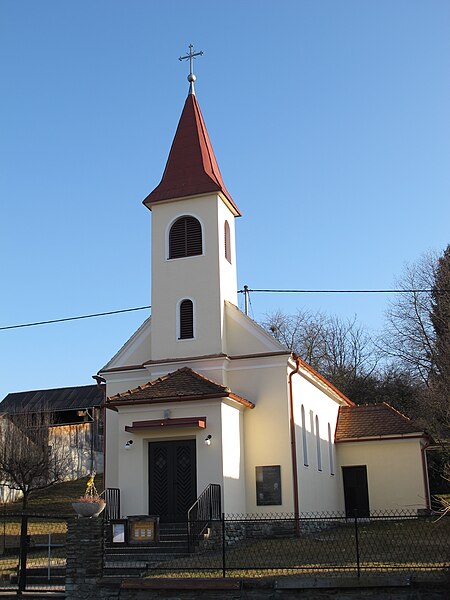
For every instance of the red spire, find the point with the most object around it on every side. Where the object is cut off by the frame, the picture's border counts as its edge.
(191, 168)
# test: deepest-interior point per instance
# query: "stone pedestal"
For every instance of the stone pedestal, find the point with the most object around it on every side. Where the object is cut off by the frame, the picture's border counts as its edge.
(84, 568)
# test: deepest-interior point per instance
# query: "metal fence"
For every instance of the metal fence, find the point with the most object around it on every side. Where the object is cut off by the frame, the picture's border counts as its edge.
(237, 546)
(32, 552)
(326, 544)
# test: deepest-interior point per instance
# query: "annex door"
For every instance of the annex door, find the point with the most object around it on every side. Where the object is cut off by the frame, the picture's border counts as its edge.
(172, 479)
(356, 492)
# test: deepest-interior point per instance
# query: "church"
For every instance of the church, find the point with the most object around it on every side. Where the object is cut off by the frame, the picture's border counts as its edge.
(201, 395)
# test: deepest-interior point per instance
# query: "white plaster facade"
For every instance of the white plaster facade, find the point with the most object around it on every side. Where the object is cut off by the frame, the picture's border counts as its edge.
(293, 422)
(396, 471)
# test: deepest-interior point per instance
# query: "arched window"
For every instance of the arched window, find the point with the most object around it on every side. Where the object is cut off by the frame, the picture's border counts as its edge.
(304, 438)
(330, 451)
(186, 320)
(227, 241)
(319, 449)
(185, 238)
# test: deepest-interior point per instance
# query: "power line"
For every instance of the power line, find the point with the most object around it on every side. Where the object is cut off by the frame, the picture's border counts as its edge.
(102, 314)
(391, 291)
(266, 291)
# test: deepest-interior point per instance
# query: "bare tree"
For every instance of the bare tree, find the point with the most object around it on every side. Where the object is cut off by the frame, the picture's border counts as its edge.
(417, 340)
(31, 458)
(410, 337)
(440, 318)
(301, 333)
(417, 337)
(341, 350)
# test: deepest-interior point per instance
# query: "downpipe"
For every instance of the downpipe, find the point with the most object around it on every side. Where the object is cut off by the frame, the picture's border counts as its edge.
(294, 445)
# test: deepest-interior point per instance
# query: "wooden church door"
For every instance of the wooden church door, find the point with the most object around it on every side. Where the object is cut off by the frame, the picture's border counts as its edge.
(356, 492)
(172, 479)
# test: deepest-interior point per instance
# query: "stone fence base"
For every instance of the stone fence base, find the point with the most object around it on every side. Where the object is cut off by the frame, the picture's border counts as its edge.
(269, 589)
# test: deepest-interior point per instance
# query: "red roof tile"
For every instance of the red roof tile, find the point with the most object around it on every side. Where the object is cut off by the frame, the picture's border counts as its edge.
(191, 168)
(184, 384)
(371, 421)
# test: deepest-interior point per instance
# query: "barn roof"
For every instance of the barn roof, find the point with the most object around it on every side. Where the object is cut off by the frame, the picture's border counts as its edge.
(69, 398)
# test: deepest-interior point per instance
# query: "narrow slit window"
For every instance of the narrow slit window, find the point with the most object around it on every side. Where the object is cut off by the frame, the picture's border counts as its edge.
(319, 450)
(186, 320)
(330, 450)
(304, 438)
(227, 241)
(185, 238)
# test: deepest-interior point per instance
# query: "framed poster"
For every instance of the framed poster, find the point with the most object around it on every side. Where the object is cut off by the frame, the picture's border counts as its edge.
(142, 529)
(268, 485)
(118, 531)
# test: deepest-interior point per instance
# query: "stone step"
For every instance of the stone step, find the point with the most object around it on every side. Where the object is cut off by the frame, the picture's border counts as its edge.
(38, 571)
(124, 572)
(169, 535)
(34, 579)
(143, 558)
(137, 557)
(162, 548)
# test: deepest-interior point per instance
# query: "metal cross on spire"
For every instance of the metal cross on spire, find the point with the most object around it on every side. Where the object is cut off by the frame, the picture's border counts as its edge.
(191, 77)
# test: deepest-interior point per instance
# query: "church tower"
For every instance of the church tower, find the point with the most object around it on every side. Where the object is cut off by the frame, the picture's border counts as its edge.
(193, 244)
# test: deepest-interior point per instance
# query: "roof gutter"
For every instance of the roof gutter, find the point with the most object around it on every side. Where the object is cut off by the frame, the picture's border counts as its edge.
(381, 438)
(294, 444)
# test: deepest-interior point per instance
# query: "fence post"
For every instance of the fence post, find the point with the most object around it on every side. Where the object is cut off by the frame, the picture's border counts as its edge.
(23, 553)
(223, 546)
(49, 556)
(358, 566)
(85, 554)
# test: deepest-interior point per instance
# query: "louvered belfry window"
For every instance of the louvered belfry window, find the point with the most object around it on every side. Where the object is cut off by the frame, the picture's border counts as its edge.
(185, 238)
(186, 320)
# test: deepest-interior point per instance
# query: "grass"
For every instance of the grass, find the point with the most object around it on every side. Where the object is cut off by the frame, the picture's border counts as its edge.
(401, 545)
(395, 546)
(54, 501)
(55, 504)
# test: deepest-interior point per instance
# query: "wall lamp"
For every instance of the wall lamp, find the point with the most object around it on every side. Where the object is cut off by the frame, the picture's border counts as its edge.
(208, 440)
(128, 444)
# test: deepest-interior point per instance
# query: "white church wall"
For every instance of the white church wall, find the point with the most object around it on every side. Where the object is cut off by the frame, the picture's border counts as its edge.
(227, 269)
(209, 457)
(122, 381)
(266, 427)
(194, 277)
(319, 479)
(233, 460)
(395, 475)
(112, 449)
(244, 336)
(131, 466)
(135, 350)
(211, 368)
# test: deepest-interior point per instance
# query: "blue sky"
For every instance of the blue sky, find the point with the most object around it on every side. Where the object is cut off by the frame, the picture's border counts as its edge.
(330, 122)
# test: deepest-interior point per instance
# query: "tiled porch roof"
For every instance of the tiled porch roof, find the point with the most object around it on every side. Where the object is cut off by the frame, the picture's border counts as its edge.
(184, 384)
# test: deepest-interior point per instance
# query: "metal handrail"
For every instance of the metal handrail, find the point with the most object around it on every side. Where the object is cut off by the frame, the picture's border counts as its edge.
(207, 508)
(112, 498)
